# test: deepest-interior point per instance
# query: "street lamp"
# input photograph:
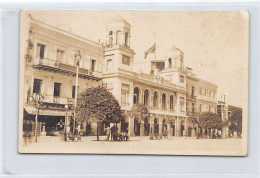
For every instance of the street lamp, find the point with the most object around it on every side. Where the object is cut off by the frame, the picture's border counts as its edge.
(37, 101)
(65, 127)
(77, 58)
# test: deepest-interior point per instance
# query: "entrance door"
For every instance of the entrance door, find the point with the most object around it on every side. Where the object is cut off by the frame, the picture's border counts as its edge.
(146, 127)
(136, 127)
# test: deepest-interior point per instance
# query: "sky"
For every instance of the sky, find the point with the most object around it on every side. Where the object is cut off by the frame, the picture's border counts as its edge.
(215, 43)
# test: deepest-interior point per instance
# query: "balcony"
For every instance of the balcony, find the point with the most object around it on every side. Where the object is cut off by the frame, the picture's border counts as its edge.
(57, 67)
(193, 97)
(207, 98)
(194, 114)
(151, 78)
(50, 99)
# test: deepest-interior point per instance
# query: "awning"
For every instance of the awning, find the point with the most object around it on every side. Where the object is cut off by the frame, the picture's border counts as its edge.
(47, 112)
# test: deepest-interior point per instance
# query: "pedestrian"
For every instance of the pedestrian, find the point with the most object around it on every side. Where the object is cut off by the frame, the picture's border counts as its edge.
(108, 133)
(219, 134)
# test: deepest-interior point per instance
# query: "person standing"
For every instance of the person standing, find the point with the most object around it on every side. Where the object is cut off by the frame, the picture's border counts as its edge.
(108, 132)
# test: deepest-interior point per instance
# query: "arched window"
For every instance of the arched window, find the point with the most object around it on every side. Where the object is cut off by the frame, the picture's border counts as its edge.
(163, 101)
(126, 39)
(155, 99)
(170, 62)
(171, 103)
(136, 95)
(110, 38)
(146, 97)
(118, 39)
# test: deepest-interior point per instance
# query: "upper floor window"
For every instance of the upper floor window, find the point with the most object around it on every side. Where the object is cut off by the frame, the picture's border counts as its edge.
(109, 64)
(125, 89)
(118, 40)
(193, 107)
(201, 91)
(136, 95)
(57, 89)
(171, 102)
(210, 109)
(126, 39)
(110, 38)
(93, 65)
(40, 50)
(155, 99)
(163, 101)
(37, 86)
(170, 62)
(146, 97)
(201, 108)
(126, 60)
(192, 90)
(59, 55)
(181, 78)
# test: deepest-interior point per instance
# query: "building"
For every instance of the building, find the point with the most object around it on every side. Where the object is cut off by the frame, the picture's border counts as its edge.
(235, 121)
(173, 94)
(50, 75)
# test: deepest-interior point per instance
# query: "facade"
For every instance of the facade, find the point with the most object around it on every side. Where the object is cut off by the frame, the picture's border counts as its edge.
(172, 93)
(237, 122)
(50, 74)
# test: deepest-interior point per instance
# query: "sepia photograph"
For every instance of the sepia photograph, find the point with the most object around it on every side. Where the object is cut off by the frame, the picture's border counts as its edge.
(134, 82)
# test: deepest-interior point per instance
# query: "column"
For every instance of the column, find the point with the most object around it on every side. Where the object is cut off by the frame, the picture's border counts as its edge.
(186, 126)
(176, 126)
(142, 128)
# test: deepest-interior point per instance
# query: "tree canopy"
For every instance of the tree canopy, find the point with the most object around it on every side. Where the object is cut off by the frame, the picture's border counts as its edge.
(140, 112)
(98, 104)
(209, 120)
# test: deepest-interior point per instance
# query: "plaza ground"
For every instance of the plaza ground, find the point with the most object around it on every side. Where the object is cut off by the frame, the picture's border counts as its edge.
(138, 145)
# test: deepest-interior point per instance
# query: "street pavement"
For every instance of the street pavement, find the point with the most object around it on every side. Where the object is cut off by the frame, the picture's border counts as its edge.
(138, 145)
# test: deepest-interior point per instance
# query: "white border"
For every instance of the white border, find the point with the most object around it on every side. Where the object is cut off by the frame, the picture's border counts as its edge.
(21, 165)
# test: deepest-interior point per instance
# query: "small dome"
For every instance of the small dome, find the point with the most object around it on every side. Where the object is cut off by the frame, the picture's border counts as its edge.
(174, 50)
(119, 20)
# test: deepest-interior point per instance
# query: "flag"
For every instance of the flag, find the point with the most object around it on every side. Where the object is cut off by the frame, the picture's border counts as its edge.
(150, 50)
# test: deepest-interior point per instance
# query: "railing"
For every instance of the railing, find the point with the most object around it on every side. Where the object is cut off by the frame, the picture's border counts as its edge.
(152, 78)
(207, 98)
(192, 96)
(54, 63)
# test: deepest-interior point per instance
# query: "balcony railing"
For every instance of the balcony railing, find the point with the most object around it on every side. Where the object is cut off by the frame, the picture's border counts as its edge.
(154, 79)
(207, 98)
(55, 66)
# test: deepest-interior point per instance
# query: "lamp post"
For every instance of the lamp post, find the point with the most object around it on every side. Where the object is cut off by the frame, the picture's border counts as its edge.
(77, 57)
(66, 118)
(37, 101)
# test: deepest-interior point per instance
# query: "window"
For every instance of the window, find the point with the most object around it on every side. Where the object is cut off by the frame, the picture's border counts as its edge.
(37, 86)
(110, 38)
(181, 78)
(163, 101)
(126, 39)
(118, 33)
(136, 95)
(57, 87)
(40, 50)
(171, 102)
(59, 55)
(109, 64)
(146, 97)
(155, 99)
(205, 92)
(170, 62)
(125, 93)
(182, 104)
(201, 108)
(201, 91)
(93, 65)
(192, 91)
(73, 91)
(126, 60)
(193, 107)
(210, 109)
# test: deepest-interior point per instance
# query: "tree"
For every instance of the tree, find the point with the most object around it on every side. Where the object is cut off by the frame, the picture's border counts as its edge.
(209, 120)
(98, 105)
(236, 122)
(140, 112)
